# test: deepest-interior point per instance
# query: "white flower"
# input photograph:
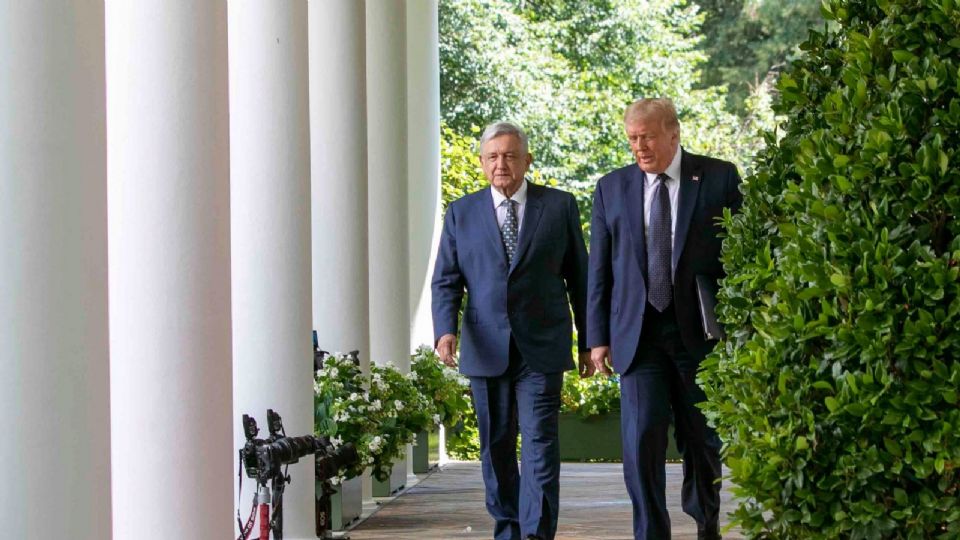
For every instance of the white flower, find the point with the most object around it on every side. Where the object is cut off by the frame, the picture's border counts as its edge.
(375, 443)
(334, 372)
(336, 441)
(336, 480)
(398, 404)
(376, 405)
(354, 397)
(436, 419)
(413, 376)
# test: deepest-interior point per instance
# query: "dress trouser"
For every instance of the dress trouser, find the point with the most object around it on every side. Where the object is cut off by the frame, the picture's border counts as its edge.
(660, 384)
(521, 501)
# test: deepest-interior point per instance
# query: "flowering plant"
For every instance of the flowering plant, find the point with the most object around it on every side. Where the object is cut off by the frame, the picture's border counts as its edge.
(444, 388)
(379, 414)
(341, 406)
(401, 412)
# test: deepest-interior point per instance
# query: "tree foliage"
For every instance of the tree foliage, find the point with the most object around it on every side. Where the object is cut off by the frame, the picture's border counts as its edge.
(747, 40)
(836, 392)
(565, 70)
(460, 165)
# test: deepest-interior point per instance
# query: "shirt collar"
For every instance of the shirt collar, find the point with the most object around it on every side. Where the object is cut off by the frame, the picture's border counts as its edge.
(520, 196)
(673, 170)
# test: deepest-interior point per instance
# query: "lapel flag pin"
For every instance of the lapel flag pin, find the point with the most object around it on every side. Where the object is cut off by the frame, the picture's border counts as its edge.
(696, 178)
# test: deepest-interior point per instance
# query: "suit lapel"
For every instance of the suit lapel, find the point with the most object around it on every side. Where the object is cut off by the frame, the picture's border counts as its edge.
(690, 177)
(489, 223)
(633, 192)
(531, 218)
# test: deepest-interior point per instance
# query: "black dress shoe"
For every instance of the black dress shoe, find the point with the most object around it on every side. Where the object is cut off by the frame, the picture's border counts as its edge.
(534, 537)
(707, 533)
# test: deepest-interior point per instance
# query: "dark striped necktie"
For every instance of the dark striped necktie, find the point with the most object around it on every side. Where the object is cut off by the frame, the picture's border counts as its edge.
(660, 247)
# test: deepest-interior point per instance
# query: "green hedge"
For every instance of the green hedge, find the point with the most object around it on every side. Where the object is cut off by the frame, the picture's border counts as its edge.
(837, 391)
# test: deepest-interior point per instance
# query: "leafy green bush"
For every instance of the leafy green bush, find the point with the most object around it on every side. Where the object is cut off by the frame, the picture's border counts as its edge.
(836, 392)
(590, 397)
(463, 439)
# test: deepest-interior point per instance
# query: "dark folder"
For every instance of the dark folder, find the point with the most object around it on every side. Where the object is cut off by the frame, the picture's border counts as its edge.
(707, 298)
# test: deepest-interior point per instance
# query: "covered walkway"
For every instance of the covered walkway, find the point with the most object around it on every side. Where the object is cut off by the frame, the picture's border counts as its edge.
(448, 504)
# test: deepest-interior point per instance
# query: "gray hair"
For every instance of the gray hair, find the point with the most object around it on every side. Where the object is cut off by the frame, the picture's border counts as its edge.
(497, 129)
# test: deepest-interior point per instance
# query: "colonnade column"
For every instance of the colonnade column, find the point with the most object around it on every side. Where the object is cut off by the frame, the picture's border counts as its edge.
(338, 152)
(387, 169)
(54, 367)
(387, 162)
(270, 228)
(169, 234)
(423, 159)
(423, 162)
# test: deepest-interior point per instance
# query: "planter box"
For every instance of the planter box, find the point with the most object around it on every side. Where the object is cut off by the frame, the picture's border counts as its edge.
(598, 438)
(426, 452)
(346, 505)
(396, 482)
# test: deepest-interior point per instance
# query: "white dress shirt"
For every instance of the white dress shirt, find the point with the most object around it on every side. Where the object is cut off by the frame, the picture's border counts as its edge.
(520, 197)
(673, 187)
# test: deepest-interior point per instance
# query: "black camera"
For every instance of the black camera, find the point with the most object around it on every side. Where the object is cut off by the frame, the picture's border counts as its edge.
(263, 458)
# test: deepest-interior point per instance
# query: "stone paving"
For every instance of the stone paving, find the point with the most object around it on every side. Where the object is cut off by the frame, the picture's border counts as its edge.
(448, 504)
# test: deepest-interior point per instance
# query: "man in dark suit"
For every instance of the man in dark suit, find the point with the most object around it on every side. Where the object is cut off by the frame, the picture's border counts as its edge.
(654, 230)
(516, 249)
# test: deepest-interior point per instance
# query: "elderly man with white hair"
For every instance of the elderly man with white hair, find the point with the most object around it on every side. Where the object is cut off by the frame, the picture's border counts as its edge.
(516, 251)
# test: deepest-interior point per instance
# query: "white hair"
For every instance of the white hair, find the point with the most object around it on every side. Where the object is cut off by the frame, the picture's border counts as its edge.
(497, 129)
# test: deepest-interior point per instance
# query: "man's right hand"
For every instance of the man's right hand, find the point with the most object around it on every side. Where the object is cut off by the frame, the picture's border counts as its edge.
(600, 360)
(447, 349)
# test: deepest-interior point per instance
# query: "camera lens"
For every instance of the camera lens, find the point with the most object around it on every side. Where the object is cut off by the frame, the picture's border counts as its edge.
(335, 459)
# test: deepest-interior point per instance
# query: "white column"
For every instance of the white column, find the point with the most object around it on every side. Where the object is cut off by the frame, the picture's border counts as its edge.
(387, 162)
(168, 161)
(338, 153)
(390, 320)
(270, 231)
(423, 159)
(54, 368)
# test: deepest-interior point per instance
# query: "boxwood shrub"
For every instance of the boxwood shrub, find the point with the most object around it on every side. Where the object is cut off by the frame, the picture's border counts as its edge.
(836, 391)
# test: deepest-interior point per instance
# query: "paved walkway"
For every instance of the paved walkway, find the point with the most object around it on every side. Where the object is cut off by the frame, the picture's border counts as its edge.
(448, 504)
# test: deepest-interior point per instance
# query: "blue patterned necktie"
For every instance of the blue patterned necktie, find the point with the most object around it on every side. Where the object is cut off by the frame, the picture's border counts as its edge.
(508, 231)
(659, 247)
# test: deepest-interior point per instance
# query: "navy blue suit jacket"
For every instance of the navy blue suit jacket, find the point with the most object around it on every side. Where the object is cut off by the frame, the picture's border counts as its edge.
(528, 299)
(617, 288)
